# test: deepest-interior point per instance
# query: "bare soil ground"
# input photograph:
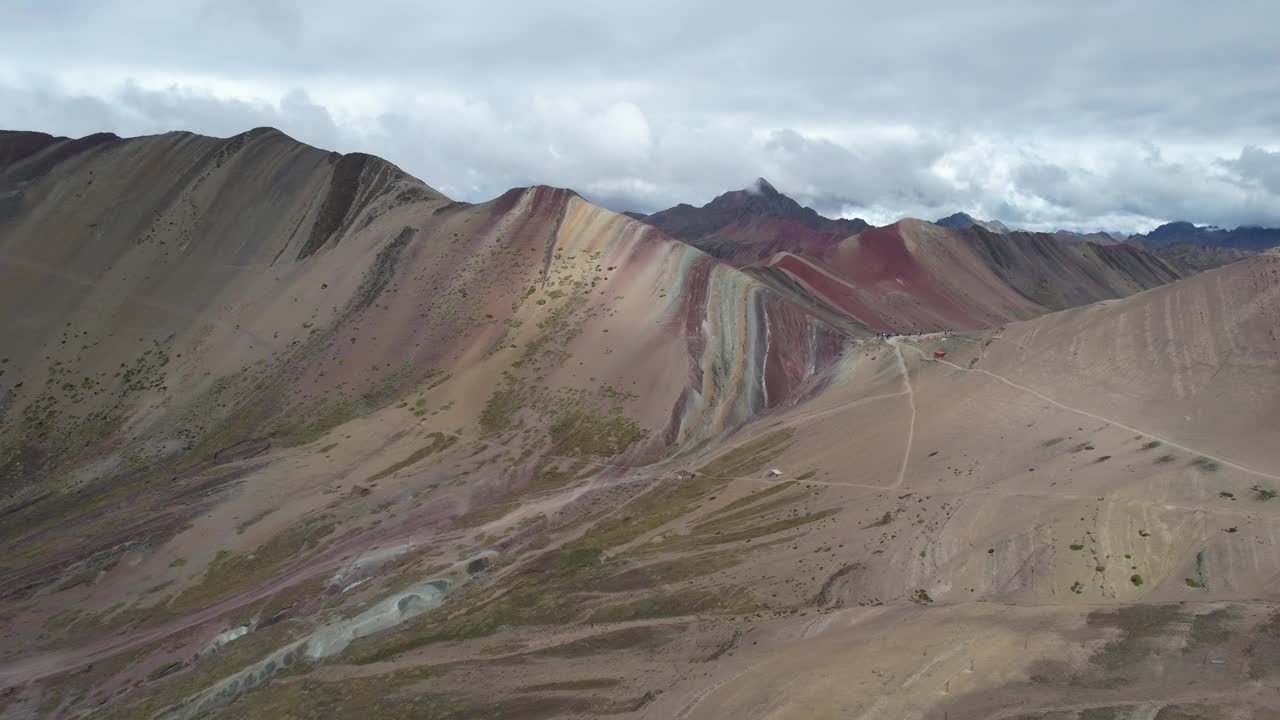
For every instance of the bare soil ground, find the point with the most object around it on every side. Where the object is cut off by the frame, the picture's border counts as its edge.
(546, 489)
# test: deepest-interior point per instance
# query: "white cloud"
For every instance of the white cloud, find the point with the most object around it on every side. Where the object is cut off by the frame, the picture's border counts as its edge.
(1109, 115)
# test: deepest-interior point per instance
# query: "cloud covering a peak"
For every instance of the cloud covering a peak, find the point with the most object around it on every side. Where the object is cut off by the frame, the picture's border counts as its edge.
(1114, 116)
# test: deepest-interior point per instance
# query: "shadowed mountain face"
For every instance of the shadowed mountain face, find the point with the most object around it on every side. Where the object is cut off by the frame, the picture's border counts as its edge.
(1184, 233)
(1193, 248)
(263, 280)
(286, 433)
(1190, 258)
(1099, 238)
(1057, 276)
(182, 312)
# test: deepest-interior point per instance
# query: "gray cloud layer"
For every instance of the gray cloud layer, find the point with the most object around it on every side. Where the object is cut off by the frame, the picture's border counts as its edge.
(1114, 115)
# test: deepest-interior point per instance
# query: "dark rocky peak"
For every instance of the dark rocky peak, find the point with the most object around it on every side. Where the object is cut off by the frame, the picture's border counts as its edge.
(1175, 229)
(756, 221)
(761, 201)
(1245, 237)
(957, 221)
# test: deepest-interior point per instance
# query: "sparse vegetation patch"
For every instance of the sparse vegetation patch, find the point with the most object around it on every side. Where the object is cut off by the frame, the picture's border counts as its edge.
(751, 457)
(439, 442)
(1262, 493)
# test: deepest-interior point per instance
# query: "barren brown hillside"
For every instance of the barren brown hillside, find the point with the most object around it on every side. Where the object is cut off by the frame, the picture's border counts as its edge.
(290, 434)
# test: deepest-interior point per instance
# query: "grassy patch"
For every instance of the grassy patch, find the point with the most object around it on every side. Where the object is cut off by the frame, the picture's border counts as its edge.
(632, 638)
(230, 573)
(83, 577)
(685, 602)
(549, 475)
(548, 589)
(884, 520)
(439, 442)
(251, 522)
(484, 515)
(75, 687)
(1139, 626)
(389, 696)
(1205, 464)
(317, 422)
(726, 521)
(654, 575)
(1261, 493)
(773, 527)
(545, 592)
(149, 700)
(751, 457)
(600, 683)
(1264, 650)
(1208, 629)
(669, 501)
(496, 417)
(584, 433)
(826, 596)
(753, 497)
(1189, 712)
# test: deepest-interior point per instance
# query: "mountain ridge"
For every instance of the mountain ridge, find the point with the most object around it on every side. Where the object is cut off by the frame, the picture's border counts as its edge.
(288, 433)
(957, 266)
(1245, 237)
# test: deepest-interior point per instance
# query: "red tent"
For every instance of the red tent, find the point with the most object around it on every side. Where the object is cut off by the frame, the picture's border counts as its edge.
(939, 354)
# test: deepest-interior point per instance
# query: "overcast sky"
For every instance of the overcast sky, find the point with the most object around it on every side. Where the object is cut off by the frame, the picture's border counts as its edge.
(1115, 114)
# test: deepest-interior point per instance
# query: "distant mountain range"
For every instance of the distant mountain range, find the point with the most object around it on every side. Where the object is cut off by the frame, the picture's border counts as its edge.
(1246, 237)
(757, 222)
(962, 220)
(1180, 239)
(1195, 248)
(912, 275)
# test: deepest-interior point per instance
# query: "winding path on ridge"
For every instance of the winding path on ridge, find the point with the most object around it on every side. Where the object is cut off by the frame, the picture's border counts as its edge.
(895, 342)
(25, 669)
(911, 425)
